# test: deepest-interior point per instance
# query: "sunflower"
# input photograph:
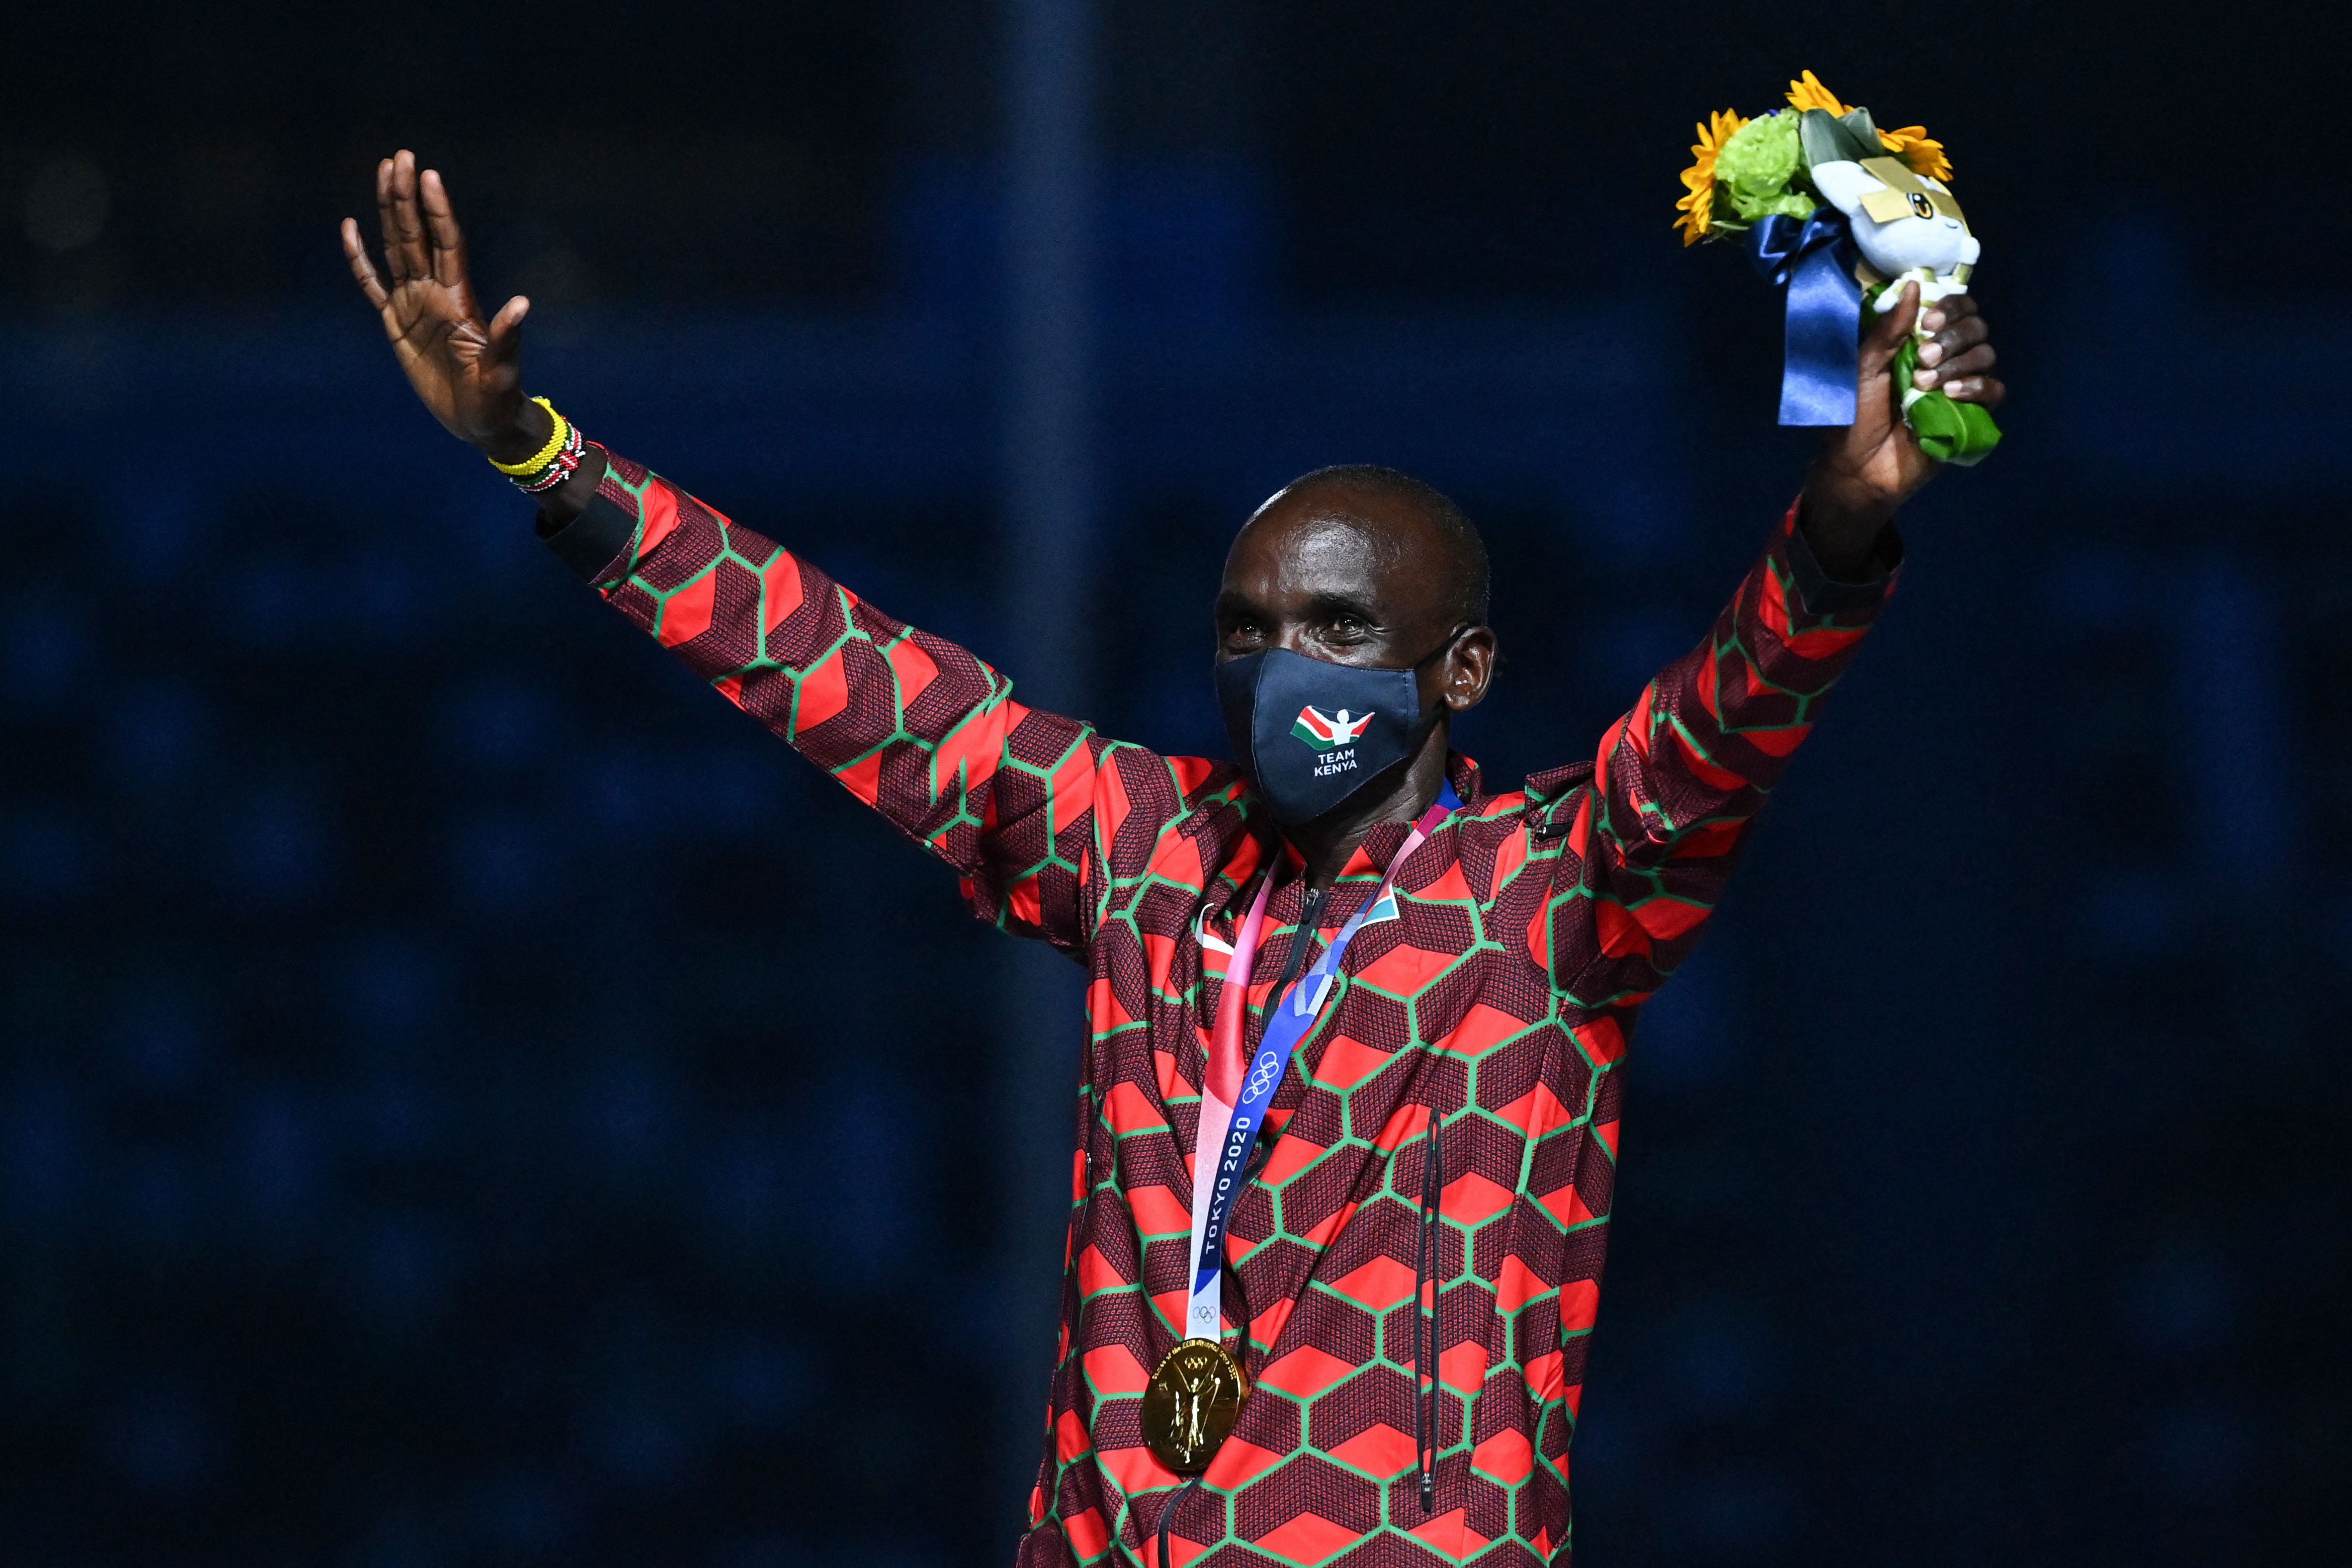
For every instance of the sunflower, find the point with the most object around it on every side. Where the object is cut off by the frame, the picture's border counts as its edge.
(1921, 152)
(1912, 143)
(1697, 205)
(1806, 93)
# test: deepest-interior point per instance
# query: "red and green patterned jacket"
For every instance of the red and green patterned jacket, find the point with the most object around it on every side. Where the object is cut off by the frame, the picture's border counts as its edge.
(1531, 927)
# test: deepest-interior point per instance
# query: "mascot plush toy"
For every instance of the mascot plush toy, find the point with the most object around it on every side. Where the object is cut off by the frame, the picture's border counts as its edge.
(1846, 216)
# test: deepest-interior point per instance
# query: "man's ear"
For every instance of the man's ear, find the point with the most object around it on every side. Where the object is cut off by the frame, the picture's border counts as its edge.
(1470, 669)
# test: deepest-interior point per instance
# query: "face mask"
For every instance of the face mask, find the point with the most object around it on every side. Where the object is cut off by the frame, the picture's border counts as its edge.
(1311, 733)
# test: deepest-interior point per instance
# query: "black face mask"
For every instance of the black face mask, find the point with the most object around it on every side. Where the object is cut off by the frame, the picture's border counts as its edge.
(1311, 733)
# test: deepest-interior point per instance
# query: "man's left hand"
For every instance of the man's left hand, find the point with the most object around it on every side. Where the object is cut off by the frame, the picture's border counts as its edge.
(1867, 470)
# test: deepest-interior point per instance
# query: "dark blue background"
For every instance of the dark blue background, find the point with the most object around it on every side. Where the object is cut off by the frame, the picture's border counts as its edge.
(467, 1095)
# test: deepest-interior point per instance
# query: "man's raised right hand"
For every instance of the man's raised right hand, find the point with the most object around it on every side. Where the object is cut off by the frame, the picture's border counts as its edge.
(467, 371)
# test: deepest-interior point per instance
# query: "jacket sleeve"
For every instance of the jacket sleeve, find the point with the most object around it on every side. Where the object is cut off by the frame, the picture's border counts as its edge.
(915, 727)
(1677, 780)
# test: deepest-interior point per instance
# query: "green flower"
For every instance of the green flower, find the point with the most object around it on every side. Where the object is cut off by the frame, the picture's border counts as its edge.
(1756, 166)
(1787, 203)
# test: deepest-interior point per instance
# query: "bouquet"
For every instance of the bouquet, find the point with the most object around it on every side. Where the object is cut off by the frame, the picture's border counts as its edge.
(1845, 215)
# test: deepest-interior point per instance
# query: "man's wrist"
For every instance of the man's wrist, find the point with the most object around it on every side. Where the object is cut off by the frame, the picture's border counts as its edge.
(1843, 532)
(567, 500)
(525, 435)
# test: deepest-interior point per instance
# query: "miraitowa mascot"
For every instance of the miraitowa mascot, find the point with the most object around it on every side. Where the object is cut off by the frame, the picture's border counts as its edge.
(1846, 216)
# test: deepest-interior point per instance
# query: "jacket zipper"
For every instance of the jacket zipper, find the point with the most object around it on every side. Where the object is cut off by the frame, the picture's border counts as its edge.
(1426, 1265)
(1301, 940)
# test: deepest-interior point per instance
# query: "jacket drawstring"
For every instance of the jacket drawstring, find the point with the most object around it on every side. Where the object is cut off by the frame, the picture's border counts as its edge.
(1168, 1512)
(1424, 1320)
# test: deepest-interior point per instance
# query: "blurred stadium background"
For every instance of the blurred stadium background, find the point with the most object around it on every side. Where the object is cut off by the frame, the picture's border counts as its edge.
(469, 1097)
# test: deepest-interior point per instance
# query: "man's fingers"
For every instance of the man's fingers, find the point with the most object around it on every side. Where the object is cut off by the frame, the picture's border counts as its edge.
(1974, 362)
(388, 230)
(362, 268)
(441, 224)
(407, 223)
(1955, 339)
(1886, 333)
(1987, 390)
(1950, 309)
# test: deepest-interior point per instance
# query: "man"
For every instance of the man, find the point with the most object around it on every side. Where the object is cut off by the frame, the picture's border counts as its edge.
(1348, 1114)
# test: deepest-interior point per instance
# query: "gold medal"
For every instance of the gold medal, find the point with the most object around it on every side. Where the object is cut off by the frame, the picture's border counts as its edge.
(1191, 1404)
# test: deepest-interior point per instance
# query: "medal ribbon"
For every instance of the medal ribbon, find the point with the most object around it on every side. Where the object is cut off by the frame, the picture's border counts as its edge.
(1225, 1137)
(1821, 332)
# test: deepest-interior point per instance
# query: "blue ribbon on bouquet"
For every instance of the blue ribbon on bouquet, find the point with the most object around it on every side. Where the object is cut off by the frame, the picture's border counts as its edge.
(1821, 350)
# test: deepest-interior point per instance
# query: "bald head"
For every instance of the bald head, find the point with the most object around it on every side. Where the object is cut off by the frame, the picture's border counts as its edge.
(1446, 545)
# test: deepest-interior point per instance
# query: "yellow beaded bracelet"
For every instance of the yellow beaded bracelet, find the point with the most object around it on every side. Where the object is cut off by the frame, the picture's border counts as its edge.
(546, 454)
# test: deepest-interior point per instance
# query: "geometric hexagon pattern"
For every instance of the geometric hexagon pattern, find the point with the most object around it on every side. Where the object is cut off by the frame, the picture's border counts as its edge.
(1480, 1028)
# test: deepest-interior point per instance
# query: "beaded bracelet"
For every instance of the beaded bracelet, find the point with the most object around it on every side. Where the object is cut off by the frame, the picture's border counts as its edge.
(556, 436)
(559, 467)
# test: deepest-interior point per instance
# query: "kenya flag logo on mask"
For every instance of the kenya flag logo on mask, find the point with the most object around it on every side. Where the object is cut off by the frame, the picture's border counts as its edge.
(1322, 731)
